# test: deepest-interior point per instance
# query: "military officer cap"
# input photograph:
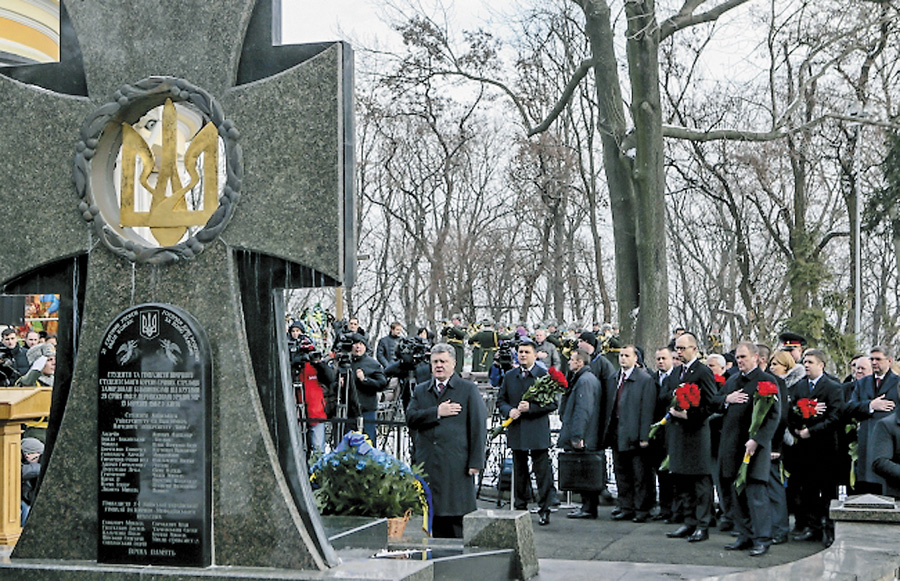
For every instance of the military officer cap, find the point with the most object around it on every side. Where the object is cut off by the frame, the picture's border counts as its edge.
(792, 340)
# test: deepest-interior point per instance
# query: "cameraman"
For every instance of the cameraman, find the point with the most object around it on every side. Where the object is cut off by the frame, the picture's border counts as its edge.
(504, 360)
(12, 350)
(313, 386)
(369, 378)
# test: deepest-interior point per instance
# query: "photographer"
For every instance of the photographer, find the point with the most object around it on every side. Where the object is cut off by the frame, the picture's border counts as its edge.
(368, 376)
(313, 385)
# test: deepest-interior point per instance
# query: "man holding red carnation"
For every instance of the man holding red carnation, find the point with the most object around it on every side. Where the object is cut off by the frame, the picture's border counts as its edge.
(751, 411)
(688, 441)
(813, 459)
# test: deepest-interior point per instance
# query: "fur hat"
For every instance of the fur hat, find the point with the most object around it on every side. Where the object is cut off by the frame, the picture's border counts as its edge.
(32, 445)
(40, 350)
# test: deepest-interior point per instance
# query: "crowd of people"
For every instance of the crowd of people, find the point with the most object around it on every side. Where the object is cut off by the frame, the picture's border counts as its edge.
(738, 440)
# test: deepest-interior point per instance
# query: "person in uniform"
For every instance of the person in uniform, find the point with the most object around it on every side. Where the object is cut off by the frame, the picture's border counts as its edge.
(484, 344)
(455, 334)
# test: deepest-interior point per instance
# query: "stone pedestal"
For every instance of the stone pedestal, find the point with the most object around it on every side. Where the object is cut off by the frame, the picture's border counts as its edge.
(504, 529)
(16, 406)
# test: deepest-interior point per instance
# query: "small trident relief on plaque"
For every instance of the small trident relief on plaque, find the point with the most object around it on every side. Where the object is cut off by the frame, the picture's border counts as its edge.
(169, 194)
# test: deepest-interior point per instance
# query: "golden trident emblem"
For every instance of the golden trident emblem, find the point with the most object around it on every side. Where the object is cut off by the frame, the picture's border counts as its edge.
(169, 216)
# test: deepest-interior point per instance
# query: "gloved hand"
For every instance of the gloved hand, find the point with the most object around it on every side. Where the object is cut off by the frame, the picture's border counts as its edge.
(39, 363)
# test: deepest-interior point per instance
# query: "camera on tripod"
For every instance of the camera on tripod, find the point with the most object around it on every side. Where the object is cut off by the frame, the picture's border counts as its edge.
(8, 373)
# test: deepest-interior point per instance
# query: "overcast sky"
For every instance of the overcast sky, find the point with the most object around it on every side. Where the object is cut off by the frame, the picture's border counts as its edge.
(358, 20)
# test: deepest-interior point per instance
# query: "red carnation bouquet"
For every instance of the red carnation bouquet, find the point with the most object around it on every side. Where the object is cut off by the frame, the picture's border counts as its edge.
(687, 395)
(720, 380)
(806, 407)
(542, 393)
(765, 397)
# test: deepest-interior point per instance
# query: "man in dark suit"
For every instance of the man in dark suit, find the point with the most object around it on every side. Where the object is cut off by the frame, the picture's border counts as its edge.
(688, 442)
(664, 366)
(812, 460)
(886, 452)
(751, 510)
(580, 417)
(529, 434)
(631, 417)
(873, 398)
(446, 418)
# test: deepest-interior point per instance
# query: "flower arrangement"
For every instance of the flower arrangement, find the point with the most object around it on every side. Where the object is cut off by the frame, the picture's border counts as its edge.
(359, 480)
(806, 407)
(542, 393)
(765, 397)
(687, 395)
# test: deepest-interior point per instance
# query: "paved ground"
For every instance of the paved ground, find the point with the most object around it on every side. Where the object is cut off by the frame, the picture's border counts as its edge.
(606, 549)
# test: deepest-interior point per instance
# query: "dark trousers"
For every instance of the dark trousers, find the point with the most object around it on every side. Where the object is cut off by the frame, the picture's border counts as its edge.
(634, 478)
(590, 501)
(778, 501)
(751, 511)
(695, 492)
(449, 527)
(814, 495)
(540, 464)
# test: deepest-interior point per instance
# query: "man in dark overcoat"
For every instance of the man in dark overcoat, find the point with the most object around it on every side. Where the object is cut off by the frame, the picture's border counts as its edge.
(874, 397)
(529, 434)
(688, 442)
(580, 417)
(813, 459)
(631, 417)
(886, 452)
(446, 418)
(751, 510)
(606, 373)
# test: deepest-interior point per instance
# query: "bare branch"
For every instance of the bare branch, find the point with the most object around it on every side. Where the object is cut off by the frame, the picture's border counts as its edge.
(686, 17)
(742, 135)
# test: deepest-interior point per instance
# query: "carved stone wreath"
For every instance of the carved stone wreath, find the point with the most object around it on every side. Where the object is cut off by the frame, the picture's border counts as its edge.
(101, 137)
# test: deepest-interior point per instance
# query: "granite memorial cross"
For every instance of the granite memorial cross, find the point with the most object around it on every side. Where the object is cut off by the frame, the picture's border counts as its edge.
(279, 158)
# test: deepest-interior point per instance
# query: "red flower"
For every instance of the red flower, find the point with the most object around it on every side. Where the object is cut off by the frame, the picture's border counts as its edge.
(807, 407)
(720, 379)
(688, 395)
(558, 377)
(766, 388)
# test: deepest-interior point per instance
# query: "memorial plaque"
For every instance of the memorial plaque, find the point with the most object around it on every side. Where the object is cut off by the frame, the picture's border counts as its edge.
(154, 410)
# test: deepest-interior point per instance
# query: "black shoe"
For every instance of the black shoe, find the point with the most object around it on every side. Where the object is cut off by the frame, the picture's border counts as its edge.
(808, 535)
(641, 518)
(580, 514)
(759, 549)
(683, 532)
(544, 518)
(661, 516)
(616, 511)
(623, 516)
(739, 545)
(780, 539)
(698, 536)
(726, 526)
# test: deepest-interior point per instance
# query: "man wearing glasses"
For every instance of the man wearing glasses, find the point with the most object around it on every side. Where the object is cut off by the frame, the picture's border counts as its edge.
(688, 442)
(873, 398)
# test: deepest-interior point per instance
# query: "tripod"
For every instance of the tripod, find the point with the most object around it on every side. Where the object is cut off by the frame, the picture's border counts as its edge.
(346, 388)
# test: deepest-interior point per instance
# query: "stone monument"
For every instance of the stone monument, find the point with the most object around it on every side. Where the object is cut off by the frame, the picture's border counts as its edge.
(176, 161)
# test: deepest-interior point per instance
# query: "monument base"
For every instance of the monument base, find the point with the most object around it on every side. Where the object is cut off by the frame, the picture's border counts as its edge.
(90, 571)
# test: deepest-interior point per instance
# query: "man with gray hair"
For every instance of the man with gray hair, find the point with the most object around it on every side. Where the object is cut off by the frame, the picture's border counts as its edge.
(446, 419)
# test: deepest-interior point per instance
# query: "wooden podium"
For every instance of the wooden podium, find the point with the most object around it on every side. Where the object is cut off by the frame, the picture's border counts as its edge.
(16, 406)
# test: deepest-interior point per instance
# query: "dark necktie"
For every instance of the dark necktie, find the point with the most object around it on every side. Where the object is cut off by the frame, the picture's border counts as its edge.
(619, 394)
(440, 388)
(877, 383)
(812, 386)
(684, 369)
(526, 374)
